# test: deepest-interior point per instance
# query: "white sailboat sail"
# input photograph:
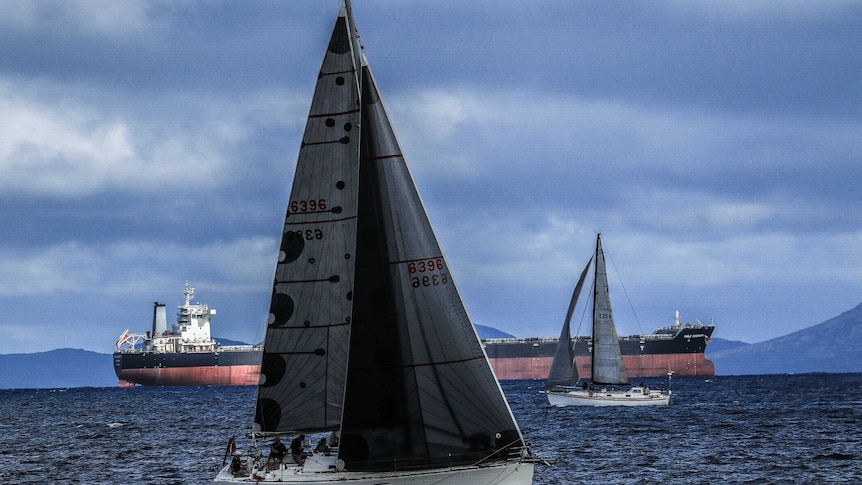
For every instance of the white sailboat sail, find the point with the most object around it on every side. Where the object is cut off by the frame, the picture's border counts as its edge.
(367, 333)
(564, 372)
(607, 367)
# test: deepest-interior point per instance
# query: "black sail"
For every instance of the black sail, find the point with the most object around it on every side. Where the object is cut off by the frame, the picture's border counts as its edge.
(420, 391)
(303, 370)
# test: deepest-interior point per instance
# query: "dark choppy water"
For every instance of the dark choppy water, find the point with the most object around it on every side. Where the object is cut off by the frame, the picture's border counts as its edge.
(753, 429)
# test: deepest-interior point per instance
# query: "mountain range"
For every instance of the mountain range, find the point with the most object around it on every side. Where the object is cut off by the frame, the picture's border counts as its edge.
(834, 346)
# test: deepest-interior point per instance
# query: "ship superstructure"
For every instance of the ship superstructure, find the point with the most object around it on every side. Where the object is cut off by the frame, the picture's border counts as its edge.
(185, 354)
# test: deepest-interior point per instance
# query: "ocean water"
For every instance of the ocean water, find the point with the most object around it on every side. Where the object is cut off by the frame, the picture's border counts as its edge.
(749, 429)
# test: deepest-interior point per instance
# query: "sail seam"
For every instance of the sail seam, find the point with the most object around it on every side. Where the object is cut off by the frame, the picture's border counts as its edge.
(402, 261)
(303, 327)
(331, 279)
(333, 73)
(383, 157)
(429, 364)
(328, 221)
(335, 113)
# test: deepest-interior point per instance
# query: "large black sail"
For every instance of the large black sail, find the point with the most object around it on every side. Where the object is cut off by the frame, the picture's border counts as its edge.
(564, 372)
(303, 370)
(420, 392)
(608, 365)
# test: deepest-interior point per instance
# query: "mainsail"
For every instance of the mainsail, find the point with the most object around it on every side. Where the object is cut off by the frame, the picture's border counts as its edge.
(564, 372)
(304, 363)
(367, 332)
(607, 365)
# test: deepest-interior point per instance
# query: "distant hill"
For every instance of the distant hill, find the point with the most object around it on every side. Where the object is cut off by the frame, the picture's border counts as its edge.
(55, 369)
(224, 341)
(718, 345)
(833, 346)
(491, 332)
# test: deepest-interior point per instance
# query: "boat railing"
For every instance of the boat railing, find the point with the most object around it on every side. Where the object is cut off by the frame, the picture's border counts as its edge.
(237, 348)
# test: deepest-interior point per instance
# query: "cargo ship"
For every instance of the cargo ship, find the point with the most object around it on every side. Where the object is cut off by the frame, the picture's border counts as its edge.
(678, 348)
(185, 355)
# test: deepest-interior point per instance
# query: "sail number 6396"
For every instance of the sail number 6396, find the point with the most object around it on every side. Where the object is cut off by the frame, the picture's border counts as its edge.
(431, 265)
(425, 265)
(310, 205)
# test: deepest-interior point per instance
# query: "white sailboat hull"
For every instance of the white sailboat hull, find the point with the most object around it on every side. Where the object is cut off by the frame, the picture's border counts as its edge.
(322, 470)
(631, 397)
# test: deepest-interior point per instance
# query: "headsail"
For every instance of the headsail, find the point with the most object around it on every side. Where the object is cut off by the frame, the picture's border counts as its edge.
(303, 370)
(564, 372)
(420, 391)
(607, 365)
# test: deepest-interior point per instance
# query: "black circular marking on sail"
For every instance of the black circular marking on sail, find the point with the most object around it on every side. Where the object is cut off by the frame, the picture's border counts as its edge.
(292, 245)
(268, 414)
(334, 279)
(302, 385)
(311, 260)
(344, 140)
(349, 296)
(330, 122)
(339, 185)
(273, 367)
(281, 309)
(348, 126)
(320, 352)
(347, 256)
(353, 448)
(337, 209)
(306, 323)
(339, 80)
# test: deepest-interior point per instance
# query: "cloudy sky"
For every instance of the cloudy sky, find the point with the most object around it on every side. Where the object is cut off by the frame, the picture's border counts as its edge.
(717, 146)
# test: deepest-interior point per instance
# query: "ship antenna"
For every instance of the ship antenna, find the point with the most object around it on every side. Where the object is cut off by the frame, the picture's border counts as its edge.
(190, 293)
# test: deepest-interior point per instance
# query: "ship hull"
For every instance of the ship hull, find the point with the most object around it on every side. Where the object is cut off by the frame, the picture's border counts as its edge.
(643, 356)
(232, 368)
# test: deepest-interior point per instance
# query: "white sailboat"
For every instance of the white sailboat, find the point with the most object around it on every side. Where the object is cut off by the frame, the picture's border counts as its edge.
(367, 337)
(610, 385)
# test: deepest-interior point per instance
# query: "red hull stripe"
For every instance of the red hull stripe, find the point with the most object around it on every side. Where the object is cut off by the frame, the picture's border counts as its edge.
(233, 375)
(682, 365)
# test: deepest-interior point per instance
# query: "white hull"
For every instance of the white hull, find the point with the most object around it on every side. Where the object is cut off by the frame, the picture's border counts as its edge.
(603, 397)
(322, 470)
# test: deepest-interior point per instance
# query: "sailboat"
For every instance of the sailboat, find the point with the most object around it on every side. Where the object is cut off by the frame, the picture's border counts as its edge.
(367, 337)
(610, 385)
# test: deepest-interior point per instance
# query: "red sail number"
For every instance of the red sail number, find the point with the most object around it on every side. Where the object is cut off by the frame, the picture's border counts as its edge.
(311, 205)
(425, 265)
